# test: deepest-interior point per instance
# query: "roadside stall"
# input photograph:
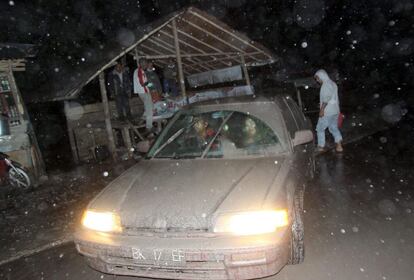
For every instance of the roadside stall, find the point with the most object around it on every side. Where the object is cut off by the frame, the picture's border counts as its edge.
(212, 61)
(17, 137)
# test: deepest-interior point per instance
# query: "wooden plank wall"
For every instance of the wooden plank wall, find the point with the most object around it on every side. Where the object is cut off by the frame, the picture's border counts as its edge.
(86, 125)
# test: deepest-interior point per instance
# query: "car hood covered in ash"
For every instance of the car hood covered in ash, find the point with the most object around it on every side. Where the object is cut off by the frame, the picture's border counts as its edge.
(188, 194)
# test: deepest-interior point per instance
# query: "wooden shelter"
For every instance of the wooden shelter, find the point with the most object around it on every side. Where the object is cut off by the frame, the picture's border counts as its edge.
(197, 41)
(21, 144)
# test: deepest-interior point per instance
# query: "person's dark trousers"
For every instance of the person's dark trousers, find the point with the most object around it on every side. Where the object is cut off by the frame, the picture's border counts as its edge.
(170, 87)
(122, 106)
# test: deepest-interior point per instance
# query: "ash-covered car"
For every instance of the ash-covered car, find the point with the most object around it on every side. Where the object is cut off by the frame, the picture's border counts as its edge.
(220, 196)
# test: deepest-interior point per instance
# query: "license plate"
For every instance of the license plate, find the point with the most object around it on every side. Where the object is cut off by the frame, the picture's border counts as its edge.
(158, 257)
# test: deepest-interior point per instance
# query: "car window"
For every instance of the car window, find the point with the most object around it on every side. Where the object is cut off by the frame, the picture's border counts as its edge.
(297, 113)
(216, 134)
(290, 121)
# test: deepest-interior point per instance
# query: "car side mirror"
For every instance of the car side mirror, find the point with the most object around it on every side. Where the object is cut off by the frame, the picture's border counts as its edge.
(302, 137)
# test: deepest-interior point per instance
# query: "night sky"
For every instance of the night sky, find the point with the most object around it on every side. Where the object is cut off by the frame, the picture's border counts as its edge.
(370, 43)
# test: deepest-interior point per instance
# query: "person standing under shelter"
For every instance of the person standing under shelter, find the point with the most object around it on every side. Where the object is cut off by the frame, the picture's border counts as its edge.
(119, 87)
(141, 87)
(152, 76)
(328, 112)
(170, 79)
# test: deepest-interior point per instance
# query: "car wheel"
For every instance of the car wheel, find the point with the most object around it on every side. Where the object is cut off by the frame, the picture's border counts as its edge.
(297, 244)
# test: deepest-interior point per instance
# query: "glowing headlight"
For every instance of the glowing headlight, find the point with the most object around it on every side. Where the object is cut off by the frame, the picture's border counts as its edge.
(101, 221)
(250, 223)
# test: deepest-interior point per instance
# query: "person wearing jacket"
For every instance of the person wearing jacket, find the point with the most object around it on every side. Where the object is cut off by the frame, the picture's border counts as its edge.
(119, 87)
(170, 79)
(328, 112)
(142, 88)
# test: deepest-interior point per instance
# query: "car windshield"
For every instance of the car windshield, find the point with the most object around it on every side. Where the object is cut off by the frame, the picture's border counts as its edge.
(216, 134)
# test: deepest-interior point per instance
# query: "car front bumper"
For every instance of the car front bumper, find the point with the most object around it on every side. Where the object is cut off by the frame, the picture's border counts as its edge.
(202, 257)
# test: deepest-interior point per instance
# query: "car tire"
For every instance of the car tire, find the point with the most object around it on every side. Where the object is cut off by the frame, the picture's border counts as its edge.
(297, 243)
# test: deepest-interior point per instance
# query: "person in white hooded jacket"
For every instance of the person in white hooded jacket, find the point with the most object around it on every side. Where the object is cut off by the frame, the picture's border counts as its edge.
(328, 112)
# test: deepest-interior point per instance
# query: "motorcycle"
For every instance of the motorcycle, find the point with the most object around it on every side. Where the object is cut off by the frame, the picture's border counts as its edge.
(13, 173)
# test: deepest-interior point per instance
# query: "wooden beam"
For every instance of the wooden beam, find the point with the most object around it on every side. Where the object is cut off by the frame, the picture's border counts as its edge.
(168, 47)
(17, 65)
(246, 73)
(171, 46)
(108, 124)
(179, 63)
(217, 60)
(230, 33)
(183, 43)
(216, 37)
(200, 41)
(191, 55)
(156, 56)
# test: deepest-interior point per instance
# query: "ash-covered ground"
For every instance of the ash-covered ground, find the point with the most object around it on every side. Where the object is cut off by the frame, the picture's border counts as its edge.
(46, 215)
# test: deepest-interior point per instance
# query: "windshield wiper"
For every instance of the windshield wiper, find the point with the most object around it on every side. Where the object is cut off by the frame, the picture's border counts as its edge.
(169, 140)
(215, 136)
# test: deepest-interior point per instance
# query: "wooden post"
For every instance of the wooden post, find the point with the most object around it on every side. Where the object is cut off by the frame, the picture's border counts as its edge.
(126, 136)
(71, 135)
(136, 56)
(179, 63)
(245, 72)
(108, 125)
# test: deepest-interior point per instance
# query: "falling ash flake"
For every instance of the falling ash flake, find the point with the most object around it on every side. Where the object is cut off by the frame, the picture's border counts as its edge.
(304, 45)
(105, 174)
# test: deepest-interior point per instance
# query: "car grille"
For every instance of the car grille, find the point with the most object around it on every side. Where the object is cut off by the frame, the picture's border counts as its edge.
(168, 233)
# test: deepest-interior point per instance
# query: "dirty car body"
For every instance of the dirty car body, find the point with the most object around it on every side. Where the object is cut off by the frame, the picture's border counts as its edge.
(220, 196)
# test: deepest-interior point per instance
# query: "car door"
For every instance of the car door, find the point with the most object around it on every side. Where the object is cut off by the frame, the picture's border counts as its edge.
(304, 152)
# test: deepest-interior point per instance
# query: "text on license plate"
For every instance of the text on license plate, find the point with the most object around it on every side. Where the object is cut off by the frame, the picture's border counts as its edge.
(158, 256)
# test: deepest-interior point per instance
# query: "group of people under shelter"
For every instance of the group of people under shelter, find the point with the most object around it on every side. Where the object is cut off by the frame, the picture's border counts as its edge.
(145, 83)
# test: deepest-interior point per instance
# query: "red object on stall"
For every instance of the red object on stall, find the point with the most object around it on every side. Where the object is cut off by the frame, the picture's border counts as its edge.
(155, 96)
(341, 118)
